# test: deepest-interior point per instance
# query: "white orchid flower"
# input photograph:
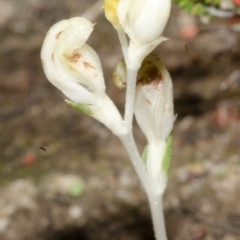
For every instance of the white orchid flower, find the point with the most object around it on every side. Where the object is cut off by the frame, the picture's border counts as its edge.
(70, 64)
(155, 115)
(143, 21)
(75, 69)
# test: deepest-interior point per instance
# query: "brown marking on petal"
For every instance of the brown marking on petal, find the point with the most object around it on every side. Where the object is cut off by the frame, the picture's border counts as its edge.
(58, 35)
(157, 83)
(148, 102)
(52, 57)
(87, 65)
(73, 58)
(151, 74)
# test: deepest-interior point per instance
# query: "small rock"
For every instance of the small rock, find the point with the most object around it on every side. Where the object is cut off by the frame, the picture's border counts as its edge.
(4, 222)
(6, 12)
(75, 212)
(66, 184)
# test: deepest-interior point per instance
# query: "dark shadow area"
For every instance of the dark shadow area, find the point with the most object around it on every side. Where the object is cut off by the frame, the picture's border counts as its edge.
(189, 104)
(67, 234)
(129, 222)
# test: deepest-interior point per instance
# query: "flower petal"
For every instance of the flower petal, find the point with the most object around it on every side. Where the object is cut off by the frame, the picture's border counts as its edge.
(70, 64)
(122, 10)
(110, 10)
(144, 20)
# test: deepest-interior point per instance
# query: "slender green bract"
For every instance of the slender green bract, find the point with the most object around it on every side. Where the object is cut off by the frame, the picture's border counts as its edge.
(84, 108)
(144, 155)
(167, 160)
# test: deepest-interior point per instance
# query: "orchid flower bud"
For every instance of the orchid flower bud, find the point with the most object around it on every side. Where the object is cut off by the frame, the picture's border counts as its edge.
(120, 75)
(154, 113)
(143, 20)
(70, 64)
(75, 69)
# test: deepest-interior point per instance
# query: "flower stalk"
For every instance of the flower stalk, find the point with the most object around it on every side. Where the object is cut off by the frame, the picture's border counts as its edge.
(156, 208)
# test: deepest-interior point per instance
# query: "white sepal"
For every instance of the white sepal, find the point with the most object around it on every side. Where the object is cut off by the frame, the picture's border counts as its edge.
(74, 68)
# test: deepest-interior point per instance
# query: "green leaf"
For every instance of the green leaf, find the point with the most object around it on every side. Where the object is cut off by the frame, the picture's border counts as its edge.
(197, 7)
(167, 160)
(84, 108)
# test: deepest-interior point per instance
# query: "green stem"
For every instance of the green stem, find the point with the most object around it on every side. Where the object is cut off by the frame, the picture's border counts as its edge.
(130, 97)
(123, 41)
(131, 148)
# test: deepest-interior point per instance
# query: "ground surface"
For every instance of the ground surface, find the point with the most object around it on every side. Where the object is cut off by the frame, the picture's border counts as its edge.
(63, 176)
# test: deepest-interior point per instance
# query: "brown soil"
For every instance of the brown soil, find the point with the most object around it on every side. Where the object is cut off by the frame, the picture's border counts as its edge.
(63, 176)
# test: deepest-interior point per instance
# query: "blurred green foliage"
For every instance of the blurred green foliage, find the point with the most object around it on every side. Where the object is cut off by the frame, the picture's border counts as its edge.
(201, 7)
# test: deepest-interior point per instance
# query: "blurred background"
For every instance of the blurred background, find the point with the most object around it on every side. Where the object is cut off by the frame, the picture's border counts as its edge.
(64, 176)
